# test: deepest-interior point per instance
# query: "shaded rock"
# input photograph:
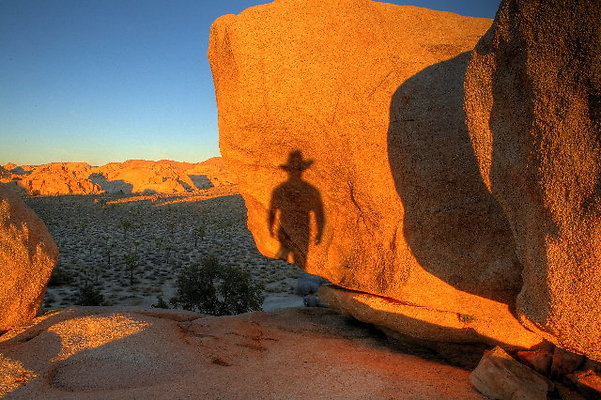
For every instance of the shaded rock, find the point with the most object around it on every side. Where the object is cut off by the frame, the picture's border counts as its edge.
(538, 359)
(308, 284)
(533, 103)
(27, 257)
(588, 383)
(566, 393)
(312, 300)
(357, 107)
(565, 362)
(500, 376)
(99, 353)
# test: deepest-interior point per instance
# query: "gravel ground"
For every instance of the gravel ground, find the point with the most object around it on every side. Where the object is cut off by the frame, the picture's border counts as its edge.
(95, 233)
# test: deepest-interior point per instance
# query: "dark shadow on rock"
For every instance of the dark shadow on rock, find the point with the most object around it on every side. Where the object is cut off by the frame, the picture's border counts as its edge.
(454, 227)
(187, 187)
(515, 168)
(201, 181)
(292, 203)
(19, 171)
(117, 186)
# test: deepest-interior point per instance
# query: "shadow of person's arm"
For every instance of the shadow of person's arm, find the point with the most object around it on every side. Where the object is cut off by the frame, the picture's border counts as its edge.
(271, 217)
(319, 218)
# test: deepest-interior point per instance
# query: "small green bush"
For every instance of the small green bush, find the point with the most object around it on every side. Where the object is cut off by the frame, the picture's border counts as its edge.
(131, 263)
(215, 289)
(60, 277)
(161, 303)
(89, 295)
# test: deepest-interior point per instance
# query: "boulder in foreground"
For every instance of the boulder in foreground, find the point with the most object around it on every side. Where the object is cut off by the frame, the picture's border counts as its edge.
(27, 257)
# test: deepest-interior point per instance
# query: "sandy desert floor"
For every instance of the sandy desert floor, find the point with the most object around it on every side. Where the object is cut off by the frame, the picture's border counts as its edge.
(162, 236)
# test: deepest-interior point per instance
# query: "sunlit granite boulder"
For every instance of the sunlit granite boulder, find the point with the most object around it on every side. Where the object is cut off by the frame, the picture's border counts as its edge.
(344, 122)
(27, 257)
(533, 102)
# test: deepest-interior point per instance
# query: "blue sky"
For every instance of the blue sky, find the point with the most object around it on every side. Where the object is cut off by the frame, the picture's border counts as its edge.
(111, 80)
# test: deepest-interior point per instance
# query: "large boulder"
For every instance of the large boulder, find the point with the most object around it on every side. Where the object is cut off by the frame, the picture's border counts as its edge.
(533, 102)
(27, 257)
(344, 122)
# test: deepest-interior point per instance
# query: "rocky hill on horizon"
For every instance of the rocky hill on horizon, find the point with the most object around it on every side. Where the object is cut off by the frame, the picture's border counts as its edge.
(131, 176)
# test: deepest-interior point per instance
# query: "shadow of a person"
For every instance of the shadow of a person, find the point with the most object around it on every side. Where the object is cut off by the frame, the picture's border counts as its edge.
(292, 203)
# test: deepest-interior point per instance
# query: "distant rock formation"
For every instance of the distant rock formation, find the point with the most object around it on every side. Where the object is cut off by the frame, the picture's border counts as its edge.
(132, 176)
(59, 178)
(27, 257)
(100, 353)
(533, 102)
(365, 101)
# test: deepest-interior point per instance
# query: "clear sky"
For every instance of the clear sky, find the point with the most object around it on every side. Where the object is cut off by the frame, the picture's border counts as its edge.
(111, 80)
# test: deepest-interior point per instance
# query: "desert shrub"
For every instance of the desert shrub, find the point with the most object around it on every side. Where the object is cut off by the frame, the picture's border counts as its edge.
(60, 277)
(126, 226)
(89, 295)
(212, 288)
(131, 263)
(161, 303)
(199, 234)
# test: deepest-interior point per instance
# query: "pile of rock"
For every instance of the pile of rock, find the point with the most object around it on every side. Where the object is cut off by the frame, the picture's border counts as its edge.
(132, 176)
(533, 374)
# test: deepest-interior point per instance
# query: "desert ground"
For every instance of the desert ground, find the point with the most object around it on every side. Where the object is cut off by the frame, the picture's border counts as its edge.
(95, 233)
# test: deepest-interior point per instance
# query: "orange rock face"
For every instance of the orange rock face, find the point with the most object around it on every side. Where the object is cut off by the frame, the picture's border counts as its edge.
(132, 176)
(59, 178)
(533, 102)
(343, 120)
(27, 257)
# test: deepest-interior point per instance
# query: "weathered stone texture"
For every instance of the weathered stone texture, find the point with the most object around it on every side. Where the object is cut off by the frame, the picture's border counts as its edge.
(533, 103)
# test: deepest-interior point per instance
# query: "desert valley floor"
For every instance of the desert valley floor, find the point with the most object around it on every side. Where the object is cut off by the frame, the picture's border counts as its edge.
(94, 234)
